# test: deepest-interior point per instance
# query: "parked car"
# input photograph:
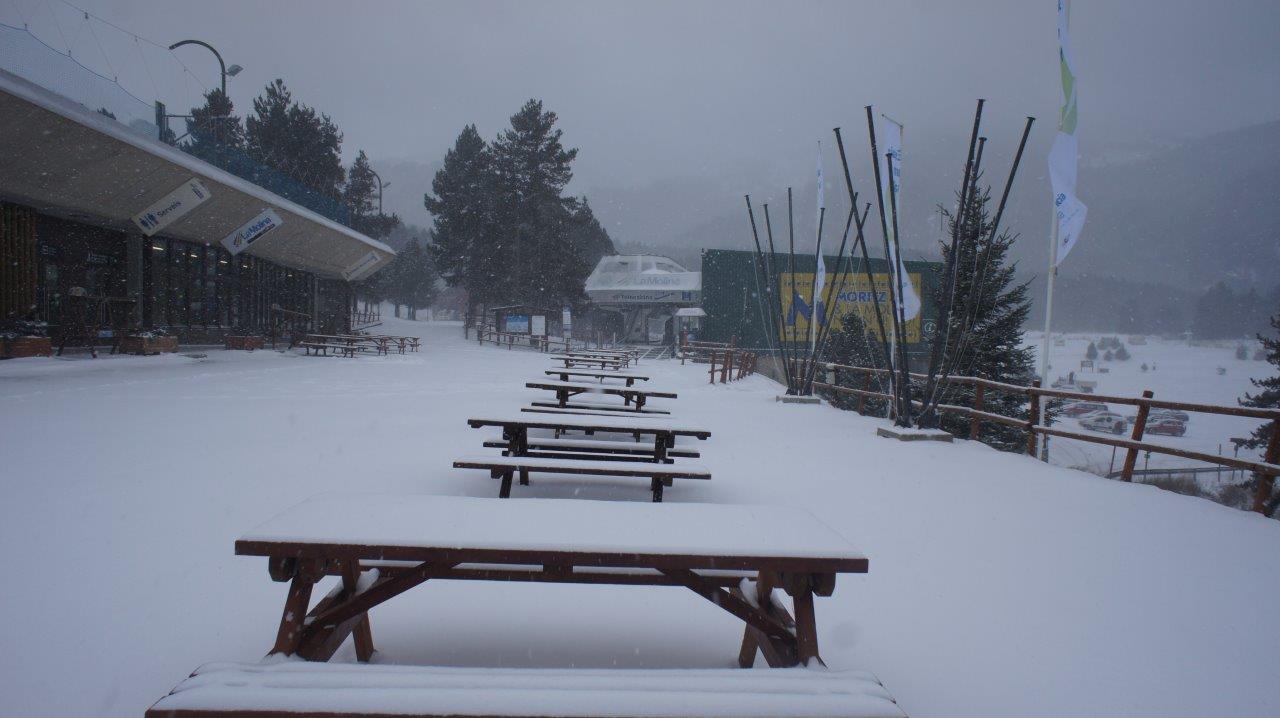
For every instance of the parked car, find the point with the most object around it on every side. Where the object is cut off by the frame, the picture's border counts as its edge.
(1181, 416)
(1105, 421)
(1081, 408)
(1167, 426)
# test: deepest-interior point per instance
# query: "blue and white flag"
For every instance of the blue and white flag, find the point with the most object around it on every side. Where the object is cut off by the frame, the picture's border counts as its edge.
(891, 134)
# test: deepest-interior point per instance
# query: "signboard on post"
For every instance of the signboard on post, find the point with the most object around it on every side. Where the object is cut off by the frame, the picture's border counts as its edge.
(172, 207)
(538, 325)
(517, 323)
(566, 322)
(251, 231)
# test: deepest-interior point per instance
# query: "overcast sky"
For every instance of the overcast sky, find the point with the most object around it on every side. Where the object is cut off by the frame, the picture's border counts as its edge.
(651, 90)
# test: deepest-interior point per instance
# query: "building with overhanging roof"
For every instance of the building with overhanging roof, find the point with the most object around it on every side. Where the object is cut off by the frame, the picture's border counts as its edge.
(93, 207)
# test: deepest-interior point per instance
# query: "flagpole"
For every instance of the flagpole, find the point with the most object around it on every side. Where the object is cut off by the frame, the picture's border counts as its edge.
(1048, 323)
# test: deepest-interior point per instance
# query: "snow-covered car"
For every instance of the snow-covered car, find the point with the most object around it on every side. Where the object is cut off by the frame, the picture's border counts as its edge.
(1081, 408)
(1105, 421)
(1181, 416)
(1166, 425)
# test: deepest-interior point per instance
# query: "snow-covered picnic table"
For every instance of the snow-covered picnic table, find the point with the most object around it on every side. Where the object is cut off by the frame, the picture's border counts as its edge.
(634, 398)
(601, 375)
(335, 689)
(384, 544)
(603, 362)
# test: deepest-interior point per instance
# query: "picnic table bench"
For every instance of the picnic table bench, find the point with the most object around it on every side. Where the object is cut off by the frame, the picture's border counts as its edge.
(633, 398)
(505, 468)
(564, 375)
(359, 341)
(220, 690)
(381, 545)
(592, 448)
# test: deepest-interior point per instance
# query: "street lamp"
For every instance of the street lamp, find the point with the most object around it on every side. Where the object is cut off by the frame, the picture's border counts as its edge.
(222, 66)
(380, 186)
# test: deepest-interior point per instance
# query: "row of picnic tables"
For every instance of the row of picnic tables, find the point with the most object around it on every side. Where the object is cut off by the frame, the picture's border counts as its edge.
(739, 558)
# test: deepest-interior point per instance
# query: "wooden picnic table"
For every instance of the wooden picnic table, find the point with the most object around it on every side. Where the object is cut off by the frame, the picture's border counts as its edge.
(626, 358)
(601, 362)
(634, 398)
(381, 545)
(564, 375)
(379, 343)
(515, 428)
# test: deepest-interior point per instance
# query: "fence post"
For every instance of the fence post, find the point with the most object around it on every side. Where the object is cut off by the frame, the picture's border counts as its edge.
(1265, 482)
(862, 398)
(975, 421)
(711, 356)
(1034, 415)
(728, 367)
(1139, 428)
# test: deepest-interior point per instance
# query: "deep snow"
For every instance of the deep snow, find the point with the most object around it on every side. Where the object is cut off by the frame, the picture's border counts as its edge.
(999, 586)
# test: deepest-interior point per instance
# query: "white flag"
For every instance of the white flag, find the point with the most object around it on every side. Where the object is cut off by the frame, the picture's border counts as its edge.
(891, 145)
(1068, 210)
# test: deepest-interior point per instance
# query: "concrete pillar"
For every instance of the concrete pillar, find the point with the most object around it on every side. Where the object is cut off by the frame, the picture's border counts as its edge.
(135, 246)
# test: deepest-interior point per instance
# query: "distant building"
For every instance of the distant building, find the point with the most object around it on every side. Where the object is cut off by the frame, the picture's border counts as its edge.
(644, 292)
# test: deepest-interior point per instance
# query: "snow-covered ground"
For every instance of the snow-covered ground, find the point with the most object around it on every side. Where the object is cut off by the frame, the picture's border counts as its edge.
(999, 586)
(1182, 372)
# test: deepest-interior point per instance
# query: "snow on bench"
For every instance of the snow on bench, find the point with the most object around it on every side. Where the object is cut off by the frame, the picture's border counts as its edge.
(599, 446)
(564, 374)
(322, 689)
(592, 388)
(504, 467)
(598, 406)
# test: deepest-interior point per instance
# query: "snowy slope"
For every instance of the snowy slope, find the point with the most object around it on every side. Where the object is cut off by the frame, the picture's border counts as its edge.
(999, 586)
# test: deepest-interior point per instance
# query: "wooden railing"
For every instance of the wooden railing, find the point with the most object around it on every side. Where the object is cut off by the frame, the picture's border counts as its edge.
(511, 340)
(731, 364)
(369, 316)
(700, 351)
(1267, 469)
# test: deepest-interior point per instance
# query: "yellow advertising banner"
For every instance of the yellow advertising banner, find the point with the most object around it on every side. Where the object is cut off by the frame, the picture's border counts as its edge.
(855, 296)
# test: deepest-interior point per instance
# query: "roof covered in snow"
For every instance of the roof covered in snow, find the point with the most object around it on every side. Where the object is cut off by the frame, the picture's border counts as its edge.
(642, 278)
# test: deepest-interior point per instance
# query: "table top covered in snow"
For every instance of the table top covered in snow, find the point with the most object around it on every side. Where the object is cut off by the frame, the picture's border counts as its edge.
(596, 373)
(621, 424)
(572, 531)
(589, 388)
(296, 686)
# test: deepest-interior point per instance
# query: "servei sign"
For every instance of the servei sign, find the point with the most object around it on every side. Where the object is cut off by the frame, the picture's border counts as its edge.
(252, 231)
(172, 207)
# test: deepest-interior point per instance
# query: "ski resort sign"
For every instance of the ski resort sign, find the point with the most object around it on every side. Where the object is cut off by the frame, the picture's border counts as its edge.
(172, 207)
(251, 231)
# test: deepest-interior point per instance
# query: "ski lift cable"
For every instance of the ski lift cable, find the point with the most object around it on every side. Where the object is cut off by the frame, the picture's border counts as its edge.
(114, 75)
(58, 26)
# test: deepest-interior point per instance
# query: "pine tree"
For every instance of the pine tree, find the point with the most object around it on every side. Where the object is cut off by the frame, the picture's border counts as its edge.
(214, 133)
(853, 345)
(413, 281)
(468, 249)
(360, 196)
(1267, 398)
(296, 140)
(991, 308)
(533, 169)
(1092, 352)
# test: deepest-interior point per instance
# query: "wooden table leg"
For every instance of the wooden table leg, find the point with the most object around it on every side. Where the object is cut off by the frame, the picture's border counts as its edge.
(505, 491)
(362, 636)
(806, 621)
(295, 608)
(656, 487)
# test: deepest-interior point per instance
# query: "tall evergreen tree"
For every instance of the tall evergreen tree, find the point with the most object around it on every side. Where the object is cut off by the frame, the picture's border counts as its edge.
(360, 195)
(412, 281)
(533, 169)
(991, 310)
(468, 249)
(214, 133)
(853, 345)
(1268, 398)
(296, 140)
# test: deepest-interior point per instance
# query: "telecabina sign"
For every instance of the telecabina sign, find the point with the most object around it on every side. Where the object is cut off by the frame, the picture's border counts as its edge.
(252, 231)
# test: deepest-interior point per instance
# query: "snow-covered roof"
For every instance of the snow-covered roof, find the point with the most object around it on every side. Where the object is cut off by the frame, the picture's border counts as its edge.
(642, 278)
(65, 159)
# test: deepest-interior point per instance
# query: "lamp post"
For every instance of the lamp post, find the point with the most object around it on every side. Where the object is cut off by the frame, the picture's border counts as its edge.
(380, 186)
(222, 66)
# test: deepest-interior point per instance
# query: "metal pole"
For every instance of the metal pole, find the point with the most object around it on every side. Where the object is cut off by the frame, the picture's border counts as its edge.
(783, 352)
(902, 394)
(861, 242)
(791, 269)
(222, 66)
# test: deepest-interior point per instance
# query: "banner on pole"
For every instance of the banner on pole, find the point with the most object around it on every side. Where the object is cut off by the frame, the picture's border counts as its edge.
(890, 133)
(1069, 212)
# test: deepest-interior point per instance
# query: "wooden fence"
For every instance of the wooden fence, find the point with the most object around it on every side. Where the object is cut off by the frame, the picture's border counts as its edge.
(1267, 469)
(731, 364)
(511, 340)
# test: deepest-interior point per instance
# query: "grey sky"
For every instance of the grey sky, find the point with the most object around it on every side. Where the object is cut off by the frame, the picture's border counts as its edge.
(655, 90)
